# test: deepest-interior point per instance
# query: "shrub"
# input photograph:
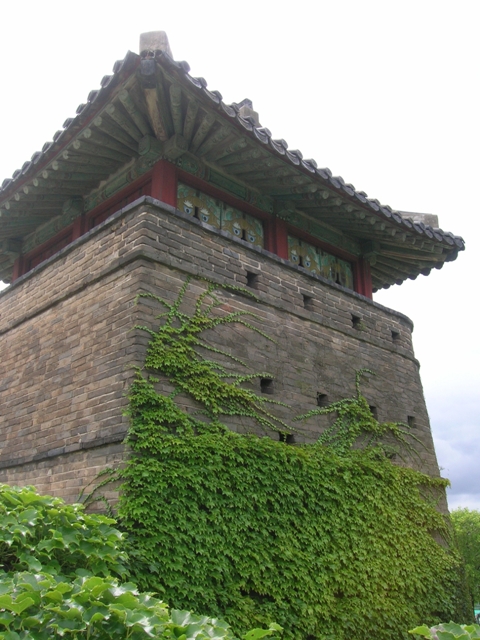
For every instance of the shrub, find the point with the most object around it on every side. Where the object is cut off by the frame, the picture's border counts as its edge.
(61, 547)
(448, 631)
(40, 533)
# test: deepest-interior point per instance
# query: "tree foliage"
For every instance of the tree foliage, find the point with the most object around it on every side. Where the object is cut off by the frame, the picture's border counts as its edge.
(467, 530)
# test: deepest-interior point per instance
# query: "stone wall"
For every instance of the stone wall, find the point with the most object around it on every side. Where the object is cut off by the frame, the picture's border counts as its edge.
(68, 342)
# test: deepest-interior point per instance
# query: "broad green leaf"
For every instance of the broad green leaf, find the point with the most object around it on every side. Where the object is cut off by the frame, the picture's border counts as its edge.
(256, 634)
(54, 596)
(182, 618)
(49, 545)
(34, 622)
(6, 618)
(128, 600)
(95, 613)
(29, 517)
(456, 629)
(127, 587)
(11, 635)
(32, 596)
(33, 563)
(93, 582)
(6, 601)
(19, 607)
(138, 618)
(83, 573)
(63, 587)
(65, 625)
(73, 613)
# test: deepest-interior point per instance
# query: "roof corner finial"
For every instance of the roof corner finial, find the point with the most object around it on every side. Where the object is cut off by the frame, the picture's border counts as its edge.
(245, 109)
(153, 41)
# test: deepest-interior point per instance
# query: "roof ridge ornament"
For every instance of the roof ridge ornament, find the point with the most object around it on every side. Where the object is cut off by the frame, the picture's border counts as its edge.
(154, 41)
(425, 218)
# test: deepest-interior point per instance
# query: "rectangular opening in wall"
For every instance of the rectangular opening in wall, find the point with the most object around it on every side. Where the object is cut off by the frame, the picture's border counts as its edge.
(373, 411)
(356, 322)
(252, 280)
(266, 385)
(287, 438)
(307, 302)
(395, 336)
(322, 400)
(412, 423)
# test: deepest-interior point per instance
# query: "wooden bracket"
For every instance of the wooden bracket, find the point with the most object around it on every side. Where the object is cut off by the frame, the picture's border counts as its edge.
(11, 247)
(175, 147)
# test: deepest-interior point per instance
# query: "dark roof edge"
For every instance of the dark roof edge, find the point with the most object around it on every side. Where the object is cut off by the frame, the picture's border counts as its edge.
(86, 112)
(123, 68)
(280, 147)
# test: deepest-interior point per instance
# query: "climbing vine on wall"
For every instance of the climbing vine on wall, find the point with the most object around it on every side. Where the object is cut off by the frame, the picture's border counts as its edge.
(176, 350)
(329, 541)
(356, 425)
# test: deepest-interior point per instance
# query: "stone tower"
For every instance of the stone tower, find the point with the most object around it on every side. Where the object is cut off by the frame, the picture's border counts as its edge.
(157, 180)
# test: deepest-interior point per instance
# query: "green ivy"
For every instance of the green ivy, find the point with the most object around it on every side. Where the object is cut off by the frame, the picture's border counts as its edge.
(330, 541)
(176, 349)
(355, 425)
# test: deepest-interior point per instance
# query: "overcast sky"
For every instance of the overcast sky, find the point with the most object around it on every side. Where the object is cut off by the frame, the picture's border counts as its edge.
(384, 93)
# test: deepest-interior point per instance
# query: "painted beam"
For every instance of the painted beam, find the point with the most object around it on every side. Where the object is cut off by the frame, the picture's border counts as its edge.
(134, 113)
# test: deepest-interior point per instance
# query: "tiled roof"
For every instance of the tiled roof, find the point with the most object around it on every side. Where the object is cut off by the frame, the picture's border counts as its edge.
(348, 210)
(85, 112)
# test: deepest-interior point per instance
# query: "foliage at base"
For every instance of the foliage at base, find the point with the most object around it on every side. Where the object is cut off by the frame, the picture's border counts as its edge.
(253, 530)
(466, 524)
(447, 631)
(59, 597)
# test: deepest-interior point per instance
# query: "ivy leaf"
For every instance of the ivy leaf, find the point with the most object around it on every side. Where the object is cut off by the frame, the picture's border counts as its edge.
(256, 634)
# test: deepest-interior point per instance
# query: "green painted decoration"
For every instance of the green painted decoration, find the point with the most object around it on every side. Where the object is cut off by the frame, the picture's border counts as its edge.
(219, 215)
(319, 262)
(198, 204)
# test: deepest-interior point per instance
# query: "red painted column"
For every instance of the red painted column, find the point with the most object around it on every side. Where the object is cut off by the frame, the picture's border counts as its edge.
(277, 238)
(78, 227)
(18, 267)
(363, 278)
(164, 182)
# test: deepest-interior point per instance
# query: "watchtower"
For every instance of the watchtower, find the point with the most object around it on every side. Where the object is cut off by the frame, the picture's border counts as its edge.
(157, 180)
